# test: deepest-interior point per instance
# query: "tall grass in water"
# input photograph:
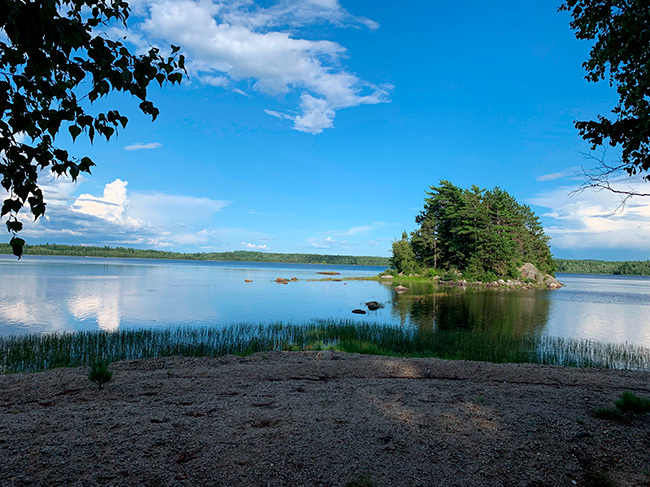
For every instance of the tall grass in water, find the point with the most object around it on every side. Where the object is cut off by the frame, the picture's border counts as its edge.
(39, 352)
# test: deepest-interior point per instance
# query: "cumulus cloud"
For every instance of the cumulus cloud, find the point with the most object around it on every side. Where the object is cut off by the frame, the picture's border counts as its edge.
(242, 43)
(117, 217)
(111, 206)
(595, 220)
(150, 145)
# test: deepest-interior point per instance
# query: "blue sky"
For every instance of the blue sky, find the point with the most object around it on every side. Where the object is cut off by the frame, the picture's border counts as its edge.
(316, 126)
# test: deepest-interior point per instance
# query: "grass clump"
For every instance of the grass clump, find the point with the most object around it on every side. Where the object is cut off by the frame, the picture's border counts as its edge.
(363, 481)
(99, 373)
(599, 479)
(631, 403)
(612, 414)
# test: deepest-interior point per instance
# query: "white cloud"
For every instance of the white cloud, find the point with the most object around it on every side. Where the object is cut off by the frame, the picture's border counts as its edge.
(151, 145)
(229, 42)
(253, 246)
(593, 219)
(111, 206)
(557, 175)
(116, 217)
(357, 230)
(326, 243)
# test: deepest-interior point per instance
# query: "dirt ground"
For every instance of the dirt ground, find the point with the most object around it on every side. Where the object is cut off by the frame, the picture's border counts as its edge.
(328, 419)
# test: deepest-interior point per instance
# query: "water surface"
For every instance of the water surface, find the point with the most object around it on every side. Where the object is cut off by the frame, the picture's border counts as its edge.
(60, 294)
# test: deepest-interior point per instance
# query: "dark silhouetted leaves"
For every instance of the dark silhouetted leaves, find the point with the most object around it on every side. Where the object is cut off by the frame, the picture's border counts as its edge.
(620, 54)
(53, 55)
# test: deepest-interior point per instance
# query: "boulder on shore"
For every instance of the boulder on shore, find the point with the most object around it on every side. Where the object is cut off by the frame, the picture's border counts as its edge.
(529, 271)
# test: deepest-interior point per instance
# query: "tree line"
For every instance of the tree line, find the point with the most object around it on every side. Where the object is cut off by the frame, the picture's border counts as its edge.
(622, 268)
(484, 234)
(236, 256)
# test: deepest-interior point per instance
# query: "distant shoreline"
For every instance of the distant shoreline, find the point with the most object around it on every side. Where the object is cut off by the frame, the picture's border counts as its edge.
(563, 266)
(235, 256)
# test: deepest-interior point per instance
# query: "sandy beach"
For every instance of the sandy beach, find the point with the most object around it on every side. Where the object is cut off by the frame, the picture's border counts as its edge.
(328, 418)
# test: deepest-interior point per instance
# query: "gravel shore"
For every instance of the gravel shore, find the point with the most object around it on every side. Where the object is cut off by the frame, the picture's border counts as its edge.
(326, 418)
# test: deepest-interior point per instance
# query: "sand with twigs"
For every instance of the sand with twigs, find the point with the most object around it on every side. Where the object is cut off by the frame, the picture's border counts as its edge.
(331, 419)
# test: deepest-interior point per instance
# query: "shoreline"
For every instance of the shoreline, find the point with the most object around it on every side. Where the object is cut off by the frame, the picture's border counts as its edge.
(321, 418)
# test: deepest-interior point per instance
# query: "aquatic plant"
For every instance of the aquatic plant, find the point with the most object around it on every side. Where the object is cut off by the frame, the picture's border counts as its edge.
(26, 353)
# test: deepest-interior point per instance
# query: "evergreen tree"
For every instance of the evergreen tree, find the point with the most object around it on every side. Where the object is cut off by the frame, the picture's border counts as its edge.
(403, 256)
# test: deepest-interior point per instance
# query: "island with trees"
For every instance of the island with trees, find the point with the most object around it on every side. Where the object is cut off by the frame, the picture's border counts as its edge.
(475, 235)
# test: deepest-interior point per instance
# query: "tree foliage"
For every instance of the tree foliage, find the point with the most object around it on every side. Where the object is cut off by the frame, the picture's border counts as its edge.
(403, 256)
(55, 61)
(620, 54)
(481, 233)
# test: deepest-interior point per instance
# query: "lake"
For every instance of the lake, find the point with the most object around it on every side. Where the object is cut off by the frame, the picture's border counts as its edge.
(63, 294)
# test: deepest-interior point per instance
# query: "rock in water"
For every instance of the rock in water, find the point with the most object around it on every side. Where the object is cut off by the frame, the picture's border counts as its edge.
(401, 289)
(373, 305)
(248, 280)
(359, 311)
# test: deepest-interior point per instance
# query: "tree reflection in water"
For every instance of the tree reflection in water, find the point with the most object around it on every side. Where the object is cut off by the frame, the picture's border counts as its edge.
(439, 307)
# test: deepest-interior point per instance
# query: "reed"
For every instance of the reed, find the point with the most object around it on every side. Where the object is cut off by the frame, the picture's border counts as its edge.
(29, 353)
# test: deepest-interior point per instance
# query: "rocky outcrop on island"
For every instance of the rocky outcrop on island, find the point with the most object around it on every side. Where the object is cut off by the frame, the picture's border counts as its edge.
(531, 277)
(531, 273)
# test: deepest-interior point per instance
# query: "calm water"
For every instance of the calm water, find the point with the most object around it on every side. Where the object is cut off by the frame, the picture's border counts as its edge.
(57, 294)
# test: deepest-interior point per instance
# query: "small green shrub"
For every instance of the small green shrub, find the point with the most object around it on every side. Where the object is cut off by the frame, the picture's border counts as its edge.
(99, 373)
(599, 479)
(613, 414)
(631, 403)
(363, 481)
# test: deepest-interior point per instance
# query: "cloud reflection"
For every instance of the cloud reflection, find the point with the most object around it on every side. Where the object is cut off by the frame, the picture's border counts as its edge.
(97, 298)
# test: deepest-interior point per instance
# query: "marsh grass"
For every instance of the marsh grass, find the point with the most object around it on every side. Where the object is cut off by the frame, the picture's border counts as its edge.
(39, 352)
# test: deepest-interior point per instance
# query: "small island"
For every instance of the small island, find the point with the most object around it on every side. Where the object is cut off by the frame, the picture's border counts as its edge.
(475, 236)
